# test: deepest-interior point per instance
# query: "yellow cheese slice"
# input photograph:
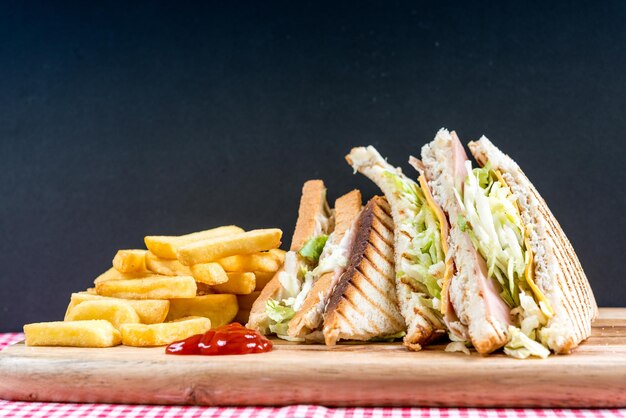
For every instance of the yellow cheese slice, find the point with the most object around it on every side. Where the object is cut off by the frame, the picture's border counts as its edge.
(529, 271)
(443, 226)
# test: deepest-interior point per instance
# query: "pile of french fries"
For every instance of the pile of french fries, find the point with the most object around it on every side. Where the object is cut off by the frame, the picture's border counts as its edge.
(179, 286)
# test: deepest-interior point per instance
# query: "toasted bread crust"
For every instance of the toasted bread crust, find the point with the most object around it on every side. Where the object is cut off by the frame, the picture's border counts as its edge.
(258, 319)
(363, 304)
(487, 333)
(423, 324)
(309, 317)
(312, 204)
(558, 272)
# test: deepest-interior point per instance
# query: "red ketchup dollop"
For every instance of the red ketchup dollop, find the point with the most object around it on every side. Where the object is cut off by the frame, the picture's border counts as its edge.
(228, 339)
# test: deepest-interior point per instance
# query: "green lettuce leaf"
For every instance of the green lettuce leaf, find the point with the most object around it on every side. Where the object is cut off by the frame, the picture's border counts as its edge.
(313, 248)
(279, 312)
(425, 248)
(522, 346)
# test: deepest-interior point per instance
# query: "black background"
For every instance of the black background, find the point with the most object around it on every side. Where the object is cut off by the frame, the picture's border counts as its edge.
(119, 120)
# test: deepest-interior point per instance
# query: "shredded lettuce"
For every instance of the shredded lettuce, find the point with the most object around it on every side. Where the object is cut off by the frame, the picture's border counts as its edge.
(495, 227)
(455, 346)
(279, 311)
(521, 346)
(428, 264)
(493, 222)
(462, 222)
(313, 248)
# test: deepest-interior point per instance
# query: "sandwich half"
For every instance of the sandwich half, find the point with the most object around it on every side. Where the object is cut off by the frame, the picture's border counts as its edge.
(307, 321)
(420, 246)
(518, 283)
(284, 295)
(363, 304)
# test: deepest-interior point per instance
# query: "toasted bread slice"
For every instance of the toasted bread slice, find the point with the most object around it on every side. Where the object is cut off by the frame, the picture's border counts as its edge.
(424, 324)
(558, 272)
(309, 317)
(314, 218)
(363, 304)
(474, 302)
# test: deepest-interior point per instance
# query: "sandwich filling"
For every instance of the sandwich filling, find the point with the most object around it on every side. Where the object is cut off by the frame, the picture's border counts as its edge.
(425, 267)
(319, 255)
(492, 219)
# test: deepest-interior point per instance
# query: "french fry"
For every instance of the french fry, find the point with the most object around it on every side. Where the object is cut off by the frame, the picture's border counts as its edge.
(245, 301)
(242, 317)
(162, 287)
(94, 333)
(278, 254)
(117, 312)
(91, 290)
(209, 273)
(166, 266)
(130, 261)
(149, 311)
(220, 309)
(264, 261)
(113, 274)
(166, 246)
(262, 279)
(212, 249)
(140, 335)
(238, 283)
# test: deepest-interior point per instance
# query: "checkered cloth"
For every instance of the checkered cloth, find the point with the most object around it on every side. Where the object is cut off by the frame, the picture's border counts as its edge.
(53, 410)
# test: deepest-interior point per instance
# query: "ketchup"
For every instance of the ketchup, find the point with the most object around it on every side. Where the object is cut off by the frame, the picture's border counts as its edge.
(228, 339)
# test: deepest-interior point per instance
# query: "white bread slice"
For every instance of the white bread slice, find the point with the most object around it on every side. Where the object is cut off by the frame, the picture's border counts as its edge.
(363, 304)
(310, 316)
(423, 324)
(314, 217)
(558, 272)
(487, 333)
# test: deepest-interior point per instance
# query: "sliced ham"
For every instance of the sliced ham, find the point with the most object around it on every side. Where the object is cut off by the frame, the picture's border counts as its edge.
(494, 304)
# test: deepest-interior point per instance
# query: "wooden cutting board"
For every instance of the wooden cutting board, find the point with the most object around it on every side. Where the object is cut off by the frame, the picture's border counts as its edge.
(346, 375)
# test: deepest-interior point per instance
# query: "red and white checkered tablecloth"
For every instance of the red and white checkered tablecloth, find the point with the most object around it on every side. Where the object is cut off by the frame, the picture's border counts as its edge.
(53, 410)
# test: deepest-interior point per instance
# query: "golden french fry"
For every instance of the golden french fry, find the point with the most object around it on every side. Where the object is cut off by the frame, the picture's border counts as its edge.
(94, 333)
(165, 266)
(242, 317)
(162, 287)
(117, 312)
(262, 279)
(149, 311)
(220, 309)
(91, 290)
(245, 301)
(264, 261)
(238, 283)
(130, 261)
(209, 273)
(165, 246)
(113, 274)
(140, 335)
(278, 254)
(213, 249)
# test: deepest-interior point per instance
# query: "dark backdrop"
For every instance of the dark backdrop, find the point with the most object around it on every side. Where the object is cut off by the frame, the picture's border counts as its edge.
(119, 120)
